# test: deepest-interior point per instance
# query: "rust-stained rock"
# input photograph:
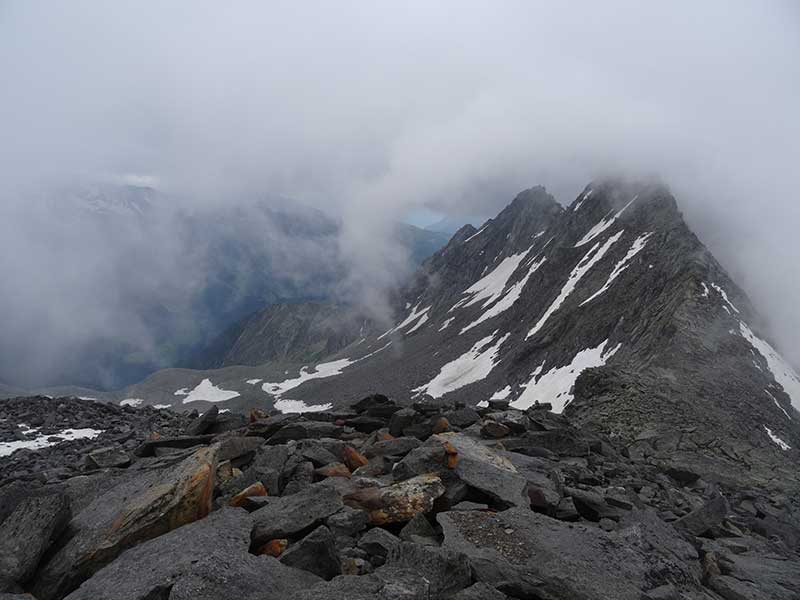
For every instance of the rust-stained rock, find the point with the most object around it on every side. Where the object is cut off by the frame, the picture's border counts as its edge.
(440, 425)
(143, 507)
(334, 470)
(273, 547)
(256, 414)
(398, 502)
(257, 489)
(353, 458)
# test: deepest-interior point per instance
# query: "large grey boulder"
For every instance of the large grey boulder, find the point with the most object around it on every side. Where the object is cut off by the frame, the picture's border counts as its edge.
(27, 533)
(146, 505)
(473, 462)
(204, 560)
(526, 554)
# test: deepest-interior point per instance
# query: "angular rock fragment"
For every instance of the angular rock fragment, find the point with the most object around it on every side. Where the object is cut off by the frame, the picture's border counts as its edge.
(704, 518)
(398, 502)
(107, 458)
(315, 553)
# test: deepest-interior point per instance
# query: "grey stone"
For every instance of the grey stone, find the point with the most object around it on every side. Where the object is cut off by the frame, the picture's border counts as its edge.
(27, 532)
(315, 553)
(288, 515)
(702, 519)
(518, 551)
(446, 571)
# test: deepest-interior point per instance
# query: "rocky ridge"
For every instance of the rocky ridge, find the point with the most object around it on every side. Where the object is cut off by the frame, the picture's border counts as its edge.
(433, 499)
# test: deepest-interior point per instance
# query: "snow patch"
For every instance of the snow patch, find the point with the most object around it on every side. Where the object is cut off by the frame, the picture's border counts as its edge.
(776, 440)
(603, 225)
(508, 300)
(181, 392)
(298, 406)
(582, 200)
(321, 371)
(706, 291)
(43, 440)
(131, 402)
(407, 321)
(253, 381)
(476, 234)
(722, 293)
(556, 385)
(501, 394)
(208, 392)
(490, 287)
(446, 324)
(162, 406)
(780, 369)
(419, 324)
(637, 246)
(587, 262)
(775, 400)
(468, 368)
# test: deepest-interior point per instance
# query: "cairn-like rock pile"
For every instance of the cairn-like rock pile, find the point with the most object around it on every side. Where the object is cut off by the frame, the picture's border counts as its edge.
(433, 500)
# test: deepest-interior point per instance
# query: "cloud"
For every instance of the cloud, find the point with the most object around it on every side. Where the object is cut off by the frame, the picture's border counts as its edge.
(371, 110)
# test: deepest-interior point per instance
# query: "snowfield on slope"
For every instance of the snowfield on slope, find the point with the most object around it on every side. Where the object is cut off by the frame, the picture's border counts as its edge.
(509, 299)
(490, 287)
(584, 266)
(555, 386)
(603, 225)
(637, 246)
(43, 440)
(321, 371)
(472, 366)
(208, 392)
(783, 373)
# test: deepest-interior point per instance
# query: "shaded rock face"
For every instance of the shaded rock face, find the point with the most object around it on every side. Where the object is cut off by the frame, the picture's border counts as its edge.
(549, 511)
(26, 534)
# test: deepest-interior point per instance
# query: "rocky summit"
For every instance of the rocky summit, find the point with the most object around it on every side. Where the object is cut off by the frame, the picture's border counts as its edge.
(569, 403)
(421, 500)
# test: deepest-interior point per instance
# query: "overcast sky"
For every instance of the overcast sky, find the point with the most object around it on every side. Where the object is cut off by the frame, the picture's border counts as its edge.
(375, 110)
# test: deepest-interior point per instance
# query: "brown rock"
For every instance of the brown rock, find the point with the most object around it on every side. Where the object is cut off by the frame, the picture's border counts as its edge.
(494, 430)
(273, 548)
(257, 489)
(353, 458)
(398, 502)
(440, 425)
(334, 470)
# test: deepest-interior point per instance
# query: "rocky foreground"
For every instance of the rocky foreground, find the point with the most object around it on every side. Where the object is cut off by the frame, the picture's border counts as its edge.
(434, 500)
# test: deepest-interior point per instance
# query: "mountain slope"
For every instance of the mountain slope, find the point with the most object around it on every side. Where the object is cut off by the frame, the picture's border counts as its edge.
(610, 309)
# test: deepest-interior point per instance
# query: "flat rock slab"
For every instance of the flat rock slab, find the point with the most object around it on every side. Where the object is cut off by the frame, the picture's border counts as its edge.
(523, 554)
